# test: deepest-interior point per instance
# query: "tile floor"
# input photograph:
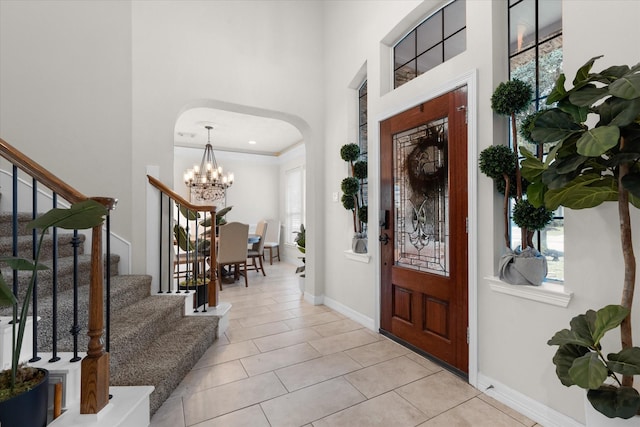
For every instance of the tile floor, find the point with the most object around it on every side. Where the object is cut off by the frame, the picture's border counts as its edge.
(284, 362)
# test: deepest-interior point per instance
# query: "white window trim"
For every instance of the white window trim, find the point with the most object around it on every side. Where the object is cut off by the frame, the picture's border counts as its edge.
(547, 293)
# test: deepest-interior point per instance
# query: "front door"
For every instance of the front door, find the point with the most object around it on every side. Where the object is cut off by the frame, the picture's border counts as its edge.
(423, 228)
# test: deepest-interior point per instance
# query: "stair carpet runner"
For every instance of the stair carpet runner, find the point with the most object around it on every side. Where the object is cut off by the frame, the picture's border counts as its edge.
(152, 341)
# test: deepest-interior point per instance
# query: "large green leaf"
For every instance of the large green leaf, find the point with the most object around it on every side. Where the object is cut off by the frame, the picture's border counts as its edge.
(627, 86)
(531, 167)
(189, 214)
(588, 371)
(614, 72)
(625, 362)
(597, 141)
(567, 337)
(22, 264)
(570, 164)
(607, 318)
(588, 95)
(535, 194)
(618, 112)
(583, 192)
(81, 215)
(7, 298)
(181, 237)
(554, 125)
(579, 114)
(563, 359)
(558, 92)
(582, 75)
(622, 402)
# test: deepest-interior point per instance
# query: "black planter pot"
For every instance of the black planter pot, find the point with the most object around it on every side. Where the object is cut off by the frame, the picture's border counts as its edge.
(200, 297)
(28, 409)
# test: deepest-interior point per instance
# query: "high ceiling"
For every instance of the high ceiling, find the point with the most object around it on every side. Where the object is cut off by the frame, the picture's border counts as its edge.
(233, 131)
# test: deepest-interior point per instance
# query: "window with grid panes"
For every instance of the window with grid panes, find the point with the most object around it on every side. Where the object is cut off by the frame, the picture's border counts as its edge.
(535, 57)
(437, 39)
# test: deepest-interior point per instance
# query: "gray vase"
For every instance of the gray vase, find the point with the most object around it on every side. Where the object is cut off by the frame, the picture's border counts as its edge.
(359, 243)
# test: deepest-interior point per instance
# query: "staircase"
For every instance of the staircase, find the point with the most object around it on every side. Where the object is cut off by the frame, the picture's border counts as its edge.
(153, 338)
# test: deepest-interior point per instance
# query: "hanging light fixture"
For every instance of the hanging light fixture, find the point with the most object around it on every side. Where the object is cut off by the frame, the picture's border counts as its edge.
(206, 182)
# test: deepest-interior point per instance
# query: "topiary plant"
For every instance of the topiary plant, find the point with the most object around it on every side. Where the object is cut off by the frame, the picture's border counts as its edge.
(501, 163)
(353, 195)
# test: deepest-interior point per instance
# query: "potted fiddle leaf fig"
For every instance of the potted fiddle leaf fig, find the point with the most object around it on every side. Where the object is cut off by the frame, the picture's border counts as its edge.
(587, 166)
(23, 389)
(523, 265)
(353, 194)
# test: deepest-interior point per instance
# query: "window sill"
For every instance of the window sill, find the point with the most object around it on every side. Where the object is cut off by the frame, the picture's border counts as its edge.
(357, 257)
(547, 293)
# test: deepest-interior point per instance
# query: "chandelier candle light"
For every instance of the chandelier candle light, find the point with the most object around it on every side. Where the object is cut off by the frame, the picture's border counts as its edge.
(207, 184)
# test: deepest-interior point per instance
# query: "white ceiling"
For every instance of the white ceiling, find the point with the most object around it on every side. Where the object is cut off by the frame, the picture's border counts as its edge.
(233, 131)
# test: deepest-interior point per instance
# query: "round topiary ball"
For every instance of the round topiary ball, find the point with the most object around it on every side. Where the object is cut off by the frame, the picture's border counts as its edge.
(525, 215)
(363, 214)
(511, 97)
(350, 152)
(348, 201)
(498, 160)
(350, 185)
(360, 169)
(528, 124)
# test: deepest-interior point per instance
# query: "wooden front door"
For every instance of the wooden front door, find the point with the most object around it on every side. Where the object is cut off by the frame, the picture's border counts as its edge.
(423, 228)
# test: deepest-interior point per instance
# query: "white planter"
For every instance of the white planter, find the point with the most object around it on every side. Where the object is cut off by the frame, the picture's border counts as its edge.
(593, 418)
(301, 284)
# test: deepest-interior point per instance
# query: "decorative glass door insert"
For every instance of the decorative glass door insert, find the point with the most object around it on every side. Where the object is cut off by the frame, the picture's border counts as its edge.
(421, 198)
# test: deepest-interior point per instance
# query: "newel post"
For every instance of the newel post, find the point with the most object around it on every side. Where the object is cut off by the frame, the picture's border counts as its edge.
(94, 388)
(213, 265)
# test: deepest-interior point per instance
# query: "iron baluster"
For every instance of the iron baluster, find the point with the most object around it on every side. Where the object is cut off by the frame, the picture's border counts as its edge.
(34, 300)
(75, 329)
(54, 289)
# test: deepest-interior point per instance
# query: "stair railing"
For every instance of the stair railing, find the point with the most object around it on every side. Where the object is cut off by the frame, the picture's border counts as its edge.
(186, 244)
(94, 394)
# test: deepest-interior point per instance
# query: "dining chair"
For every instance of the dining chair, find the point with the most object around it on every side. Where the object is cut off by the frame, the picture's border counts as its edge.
(257, 249)
(272, 240)
(232, 249)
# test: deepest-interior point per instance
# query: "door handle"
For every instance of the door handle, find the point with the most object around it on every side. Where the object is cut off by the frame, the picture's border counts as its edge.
(384, 238)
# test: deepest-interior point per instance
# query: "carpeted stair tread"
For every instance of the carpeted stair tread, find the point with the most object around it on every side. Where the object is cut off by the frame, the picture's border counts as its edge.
(125, 290)
(6, 223)
(168, 359)
(25, 245)
(65, 275)
(136, 327)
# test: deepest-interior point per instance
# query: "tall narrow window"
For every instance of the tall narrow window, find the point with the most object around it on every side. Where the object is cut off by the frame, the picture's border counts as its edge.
(437, 39)
(294, 202)
(535, 57)
(362, 137)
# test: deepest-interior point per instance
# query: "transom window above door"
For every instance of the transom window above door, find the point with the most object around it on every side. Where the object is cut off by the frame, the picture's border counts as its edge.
(437, 39)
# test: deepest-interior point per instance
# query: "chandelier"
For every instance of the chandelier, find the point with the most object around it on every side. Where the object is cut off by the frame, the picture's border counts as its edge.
(207, 183)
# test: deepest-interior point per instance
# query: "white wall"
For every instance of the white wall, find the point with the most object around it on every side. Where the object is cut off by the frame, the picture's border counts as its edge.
(65, 93)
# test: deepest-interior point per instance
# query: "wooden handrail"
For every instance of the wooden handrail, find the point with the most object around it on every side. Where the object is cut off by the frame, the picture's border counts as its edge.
(45, 177)
(178, 198)
(94, 389)
(212, 297)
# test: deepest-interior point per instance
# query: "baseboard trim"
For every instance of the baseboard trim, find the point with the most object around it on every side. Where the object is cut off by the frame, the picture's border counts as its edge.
(533, 409)
(365, 321)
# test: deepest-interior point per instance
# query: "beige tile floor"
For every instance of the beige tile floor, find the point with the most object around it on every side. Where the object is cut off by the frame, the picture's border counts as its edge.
(284, 362)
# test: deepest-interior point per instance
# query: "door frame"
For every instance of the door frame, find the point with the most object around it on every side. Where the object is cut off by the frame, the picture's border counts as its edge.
(469, 79)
